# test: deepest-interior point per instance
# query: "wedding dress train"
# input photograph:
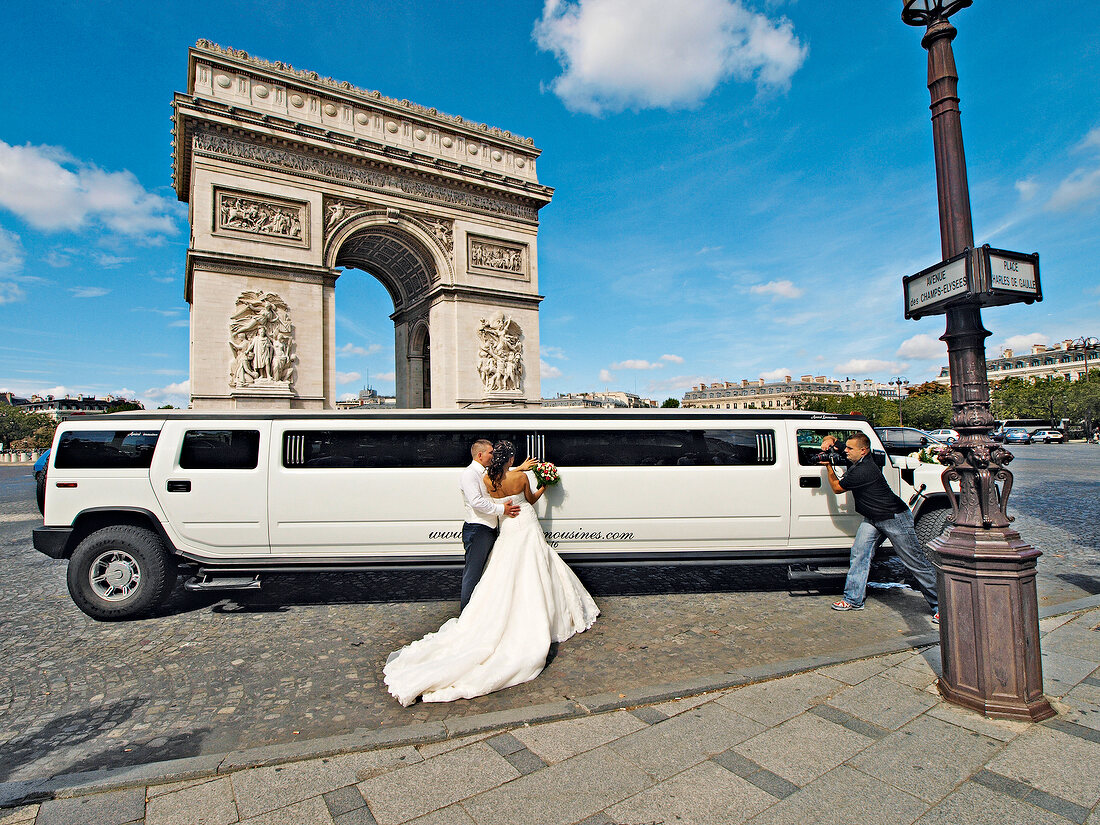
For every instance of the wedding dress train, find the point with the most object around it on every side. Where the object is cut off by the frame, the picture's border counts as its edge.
(526, 599)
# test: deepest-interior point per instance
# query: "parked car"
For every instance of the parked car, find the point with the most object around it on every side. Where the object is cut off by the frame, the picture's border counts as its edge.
(1049, 436)
(946, 436)
(40, 468)
(906, 440)
(1016, 435)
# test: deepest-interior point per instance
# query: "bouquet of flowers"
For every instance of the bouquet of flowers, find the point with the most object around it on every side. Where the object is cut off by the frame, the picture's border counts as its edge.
(929, 455)
(546, 474)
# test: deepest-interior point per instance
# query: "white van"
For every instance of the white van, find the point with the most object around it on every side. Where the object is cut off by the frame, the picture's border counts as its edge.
(132, 497)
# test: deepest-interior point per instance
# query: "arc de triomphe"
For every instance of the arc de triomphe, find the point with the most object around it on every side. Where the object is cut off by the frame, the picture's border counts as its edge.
(291, 177)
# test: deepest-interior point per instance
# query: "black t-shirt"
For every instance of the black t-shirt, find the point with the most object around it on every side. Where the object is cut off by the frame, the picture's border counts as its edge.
(875, 500)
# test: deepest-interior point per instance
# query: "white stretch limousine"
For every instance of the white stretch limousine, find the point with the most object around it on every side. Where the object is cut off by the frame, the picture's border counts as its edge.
(132, 497)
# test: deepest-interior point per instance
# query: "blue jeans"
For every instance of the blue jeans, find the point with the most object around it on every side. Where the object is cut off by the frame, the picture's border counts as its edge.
(902, 534)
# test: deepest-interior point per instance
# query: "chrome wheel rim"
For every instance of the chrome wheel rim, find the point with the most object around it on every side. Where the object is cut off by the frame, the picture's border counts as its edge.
(114, 575)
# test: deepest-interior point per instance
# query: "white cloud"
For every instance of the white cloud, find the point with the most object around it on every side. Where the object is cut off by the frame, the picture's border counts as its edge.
(672, 359)
(167, 279)
(347, 377)
(779, 289)
(606, 377)
(553, 352)
(352, 349)
(678, 383)
(384, 376)
(636, 364)
(619, 54)
(1022, 343)
(349, 396)
(168, 313)
(548, 371)
(51, 190)
(11, 264)
(708, 249)
(922, 347)
(1083, 184)
(865, 367)
(775, 375)
(183, 322)
(88, 291)
(1027, 188)
(177, 394)
(110, 261)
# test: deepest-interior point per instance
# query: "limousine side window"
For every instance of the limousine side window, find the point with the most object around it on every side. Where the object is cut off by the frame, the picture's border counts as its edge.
(641, 448)
(809, 445)
(809, 442)
(220, 450)
(106, 449)
(343, 449)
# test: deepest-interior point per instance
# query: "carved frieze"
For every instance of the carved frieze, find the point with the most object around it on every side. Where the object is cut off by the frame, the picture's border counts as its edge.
(339, 211)
(500, 354)
(261, 343)
(210, 143)
(495, 257)
(260, 217)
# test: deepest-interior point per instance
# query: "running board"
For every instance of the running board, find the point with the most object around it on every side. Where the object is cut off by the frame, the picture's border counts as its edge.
(196, 583)
(804, 572)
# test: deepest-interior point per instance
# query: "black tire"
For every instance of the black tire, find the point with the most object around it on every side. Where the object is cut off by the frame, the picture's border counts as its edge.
(40, 492)
(120, 572)
(931, 523)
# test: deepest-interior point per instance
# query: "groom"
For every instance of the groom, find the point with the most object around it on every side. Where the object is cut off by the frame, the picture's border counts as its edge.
(479, 532)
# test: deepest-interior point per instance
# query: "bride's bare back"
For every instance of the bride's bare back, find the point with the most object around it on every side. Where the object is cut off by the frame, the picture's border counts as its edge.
(513, 482)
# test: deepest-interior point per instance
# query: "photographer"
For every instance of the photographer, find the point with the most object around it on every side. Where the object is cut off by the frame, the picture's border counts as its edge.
(885, 516)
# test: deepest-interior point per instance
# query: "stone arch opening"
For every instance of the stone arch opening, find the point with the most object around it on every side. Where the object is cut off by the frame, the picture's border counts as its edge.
(407, 269)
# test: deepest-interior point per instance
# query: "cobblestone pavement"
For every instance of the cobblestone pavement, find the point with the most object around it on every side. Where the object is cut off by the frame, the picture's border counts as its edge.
(302, 658)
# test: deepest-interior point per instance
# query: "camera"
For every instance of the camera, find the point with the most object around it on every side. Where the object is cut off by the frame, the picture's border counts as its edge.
(834, 455)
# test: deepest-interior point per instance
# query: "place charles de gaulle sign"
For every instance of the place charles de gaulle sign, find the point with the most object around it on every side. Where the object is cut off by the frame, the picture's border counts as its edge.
(983, 276)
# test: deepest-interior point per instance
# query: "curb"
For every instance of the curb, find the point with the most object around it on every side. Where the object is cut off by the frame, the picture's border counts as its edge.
(65, 786)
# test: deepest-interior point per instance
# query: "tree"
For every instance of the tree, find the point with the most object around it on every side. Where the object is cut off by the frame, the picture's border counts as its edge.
(21, 430)
(124, 406)
(670, 403)
(928, 407)
(166, 407)
(881, 412)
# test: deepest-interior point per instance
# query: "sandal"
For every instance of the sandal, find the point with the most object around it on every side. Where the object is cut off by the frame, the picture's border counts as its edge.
(843, 605)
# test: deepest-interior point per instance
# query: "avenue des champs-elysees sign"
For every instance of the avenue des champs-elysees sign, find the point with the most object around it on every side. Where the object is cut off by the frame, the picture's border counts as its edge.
(983, 276)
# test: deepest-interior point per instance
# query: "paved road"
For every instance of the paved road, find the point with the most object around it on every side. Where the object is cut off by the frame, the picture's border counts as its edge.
(302, 658)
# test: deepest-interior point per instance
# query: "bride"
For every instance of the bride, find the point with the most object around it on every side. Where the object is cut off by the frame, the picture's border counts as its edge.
(526, 599)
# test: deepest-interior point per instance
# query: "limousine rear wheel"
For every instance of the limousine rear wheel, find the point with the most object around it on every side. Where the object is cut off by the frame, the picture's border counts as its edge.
(119, 572)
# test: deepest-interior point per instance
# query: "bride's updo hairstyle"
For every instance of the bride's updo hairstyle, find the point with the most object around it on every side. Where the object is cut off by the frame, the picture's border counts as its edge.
(503, 452)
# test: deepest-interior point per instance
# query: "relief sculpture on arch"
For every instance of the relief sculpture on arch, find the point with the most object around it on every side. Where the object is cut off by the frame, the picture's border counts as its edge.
(261, 340)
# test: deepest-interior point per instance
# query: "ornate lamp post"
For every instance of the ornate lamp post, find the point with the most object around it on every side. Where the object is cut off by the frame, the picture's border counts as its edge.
(899, 381)
(986, 572)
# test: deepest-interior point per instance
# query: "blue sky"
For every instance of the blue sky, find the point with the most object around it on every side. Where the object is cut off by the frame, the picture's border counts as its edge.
(740, 186)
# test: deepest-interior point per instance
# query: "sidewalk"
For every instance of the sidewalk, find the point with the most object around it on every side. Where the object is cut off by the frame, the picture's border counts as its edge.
(865, 741)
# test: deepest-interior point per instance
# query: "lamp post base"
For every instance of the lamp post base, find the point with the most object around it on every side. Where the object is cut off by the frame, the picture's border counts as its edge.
(989, 631)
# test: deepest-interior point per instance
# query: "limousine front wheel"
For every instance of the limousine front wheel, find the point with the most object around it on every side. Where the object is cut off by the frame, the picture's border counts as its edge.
(119, 572)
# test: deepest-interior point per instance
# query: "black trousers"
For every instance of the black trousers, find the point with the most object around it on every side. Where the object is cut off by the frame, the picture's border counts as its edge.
(478, 541)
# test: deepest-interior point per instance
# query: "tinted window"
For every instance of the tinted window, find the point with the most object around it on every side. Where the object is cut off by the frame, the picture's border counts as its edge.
(104, 449)
(356, 448)
(666, 448)
(220, 450)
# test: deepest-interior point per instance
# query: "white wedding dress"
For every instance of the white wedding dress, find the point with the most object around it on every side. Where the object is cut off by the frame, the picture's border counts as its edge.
(526, 599)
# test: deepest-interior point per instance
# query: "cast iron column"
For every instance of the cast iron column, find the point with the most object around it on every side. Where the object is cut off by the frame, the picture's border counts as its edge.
(989, 630)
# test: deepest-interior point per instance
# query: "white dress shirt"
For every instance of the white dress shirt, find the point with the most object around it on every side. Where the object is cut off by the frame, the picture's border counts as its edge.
(480, 509)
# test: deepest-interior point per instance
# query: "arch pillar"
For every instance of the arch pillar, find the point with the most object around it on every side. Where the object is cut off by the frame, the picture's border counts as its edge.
(290, 177)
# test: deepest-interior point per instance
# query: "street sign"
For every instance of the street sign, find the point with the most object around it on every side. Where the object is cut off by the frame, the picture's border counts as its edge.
(981, 277)
(930, 290)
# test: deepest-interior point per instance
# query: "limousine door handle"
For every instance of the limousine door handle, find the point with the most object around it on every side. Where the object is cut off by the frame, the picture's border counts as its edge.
(809, 481)
(179, 486)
